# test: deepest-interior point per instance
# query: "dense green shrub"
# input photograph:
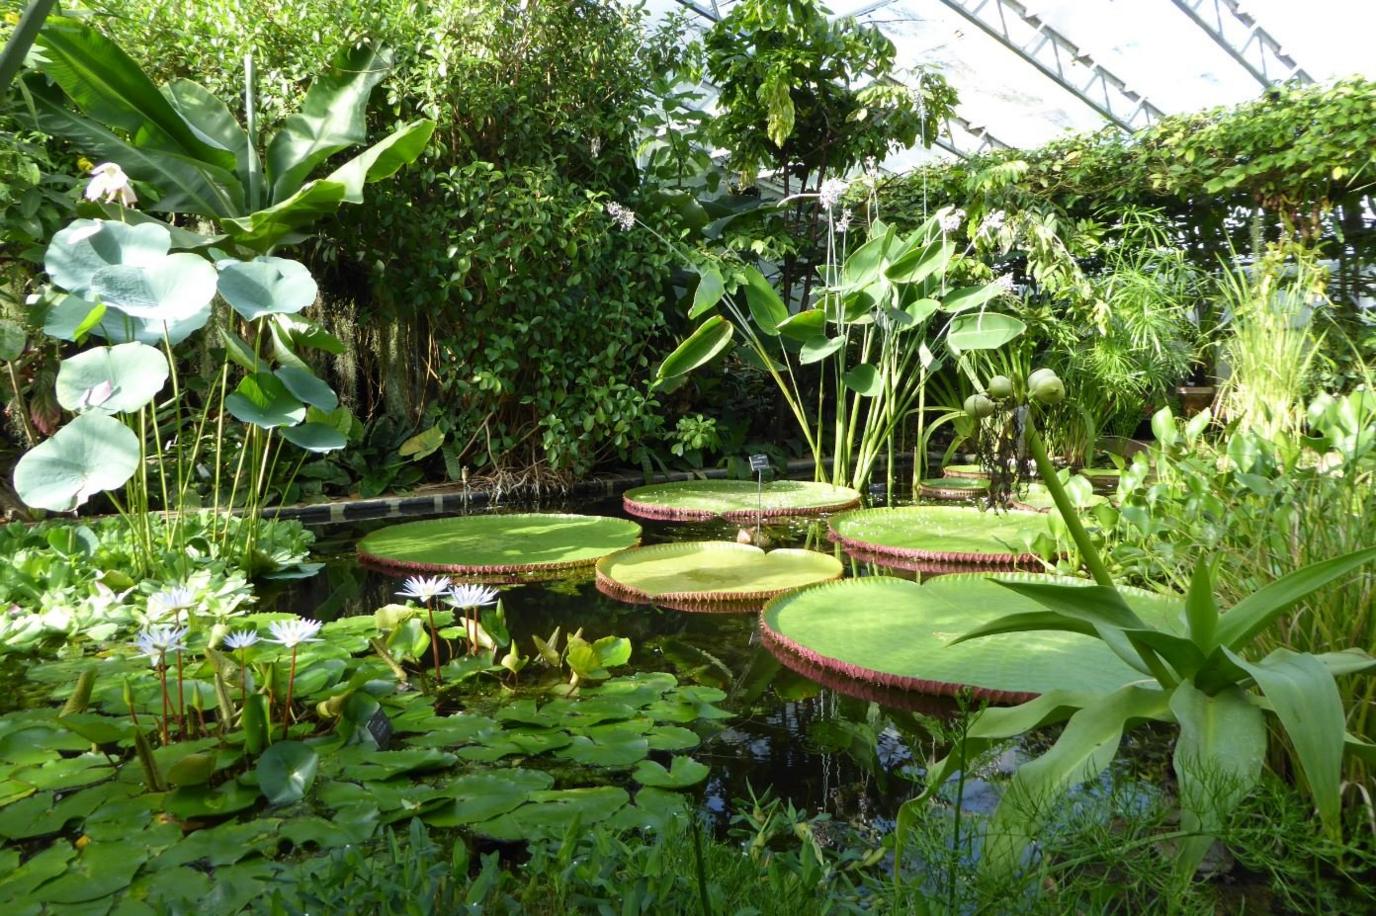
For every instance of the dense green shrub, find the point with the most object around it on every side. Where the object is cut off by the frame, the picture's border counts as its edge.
(484, 292)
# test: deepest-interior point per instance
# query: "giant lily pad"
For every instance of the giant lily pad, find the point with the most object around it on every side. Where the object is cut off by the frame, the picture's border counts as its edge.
(941, 534)
(497, 545)
(708, 575)
(736, 499)
(897, 634)
(89, 455)
(963, 470)
(954, 487)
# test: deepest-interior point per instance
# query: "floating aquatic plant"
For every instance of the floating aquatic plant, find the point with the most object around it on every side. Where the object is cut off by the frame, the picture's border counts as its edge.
(942, 534)
(736, 499)
(711, 575)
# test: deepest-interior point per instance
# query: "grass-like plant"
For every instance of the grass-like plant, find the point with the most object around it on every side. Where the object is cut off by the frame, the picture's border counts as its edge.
(1204, 680)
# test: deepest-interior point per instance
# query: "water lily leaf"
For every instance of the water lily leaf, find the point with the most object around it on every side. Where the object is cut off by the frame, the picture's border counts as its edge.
(945, 534)
(315, 437)
(608, 748)
(262, 400)
(498, 544)
(192, 770)
(90, 455)
(109, 380)
(710, 573)
(192, 802)
(85, 246)
(96, 728)
(672, 738)
(19, 885)
(223, 844)
(736, 499)
(367, 763)
(324, 834)
(306, 386)
(286, 771)
(480, 797)
(266, 286)
(549, 813)
(682, 772)
(895, 632)
(172, 288)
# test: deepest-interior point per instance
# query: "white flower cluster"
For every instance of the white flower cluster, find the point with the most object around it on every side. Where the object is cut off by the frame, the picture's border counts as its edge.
(831, 192)
(993, 222)
(843, 223)
(624, 217)
(950, 219)
(1005, 282)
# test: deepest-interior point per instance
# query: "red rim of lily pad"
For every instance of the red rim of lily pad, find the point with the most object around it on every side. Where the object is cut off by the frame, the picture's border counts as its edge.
(985, 559)
(953, 488)
(723, 599)
(932, 568)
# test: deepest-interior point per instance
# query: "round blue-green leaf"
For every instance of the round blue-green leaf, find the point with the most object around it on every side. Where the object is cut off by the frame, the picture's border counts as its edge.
(262, 400)
(85, 246)
(173, 288)
(90, 455)
(71, 317)
(308, 387)
(117, 327)
(109, 380)
(266, 286)
(315, 437)
(286, 771)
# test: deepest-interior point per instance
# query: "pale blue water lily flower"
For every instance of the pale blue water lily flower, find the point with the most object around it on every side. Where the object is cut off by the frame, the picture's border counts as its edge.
(425, 588)
(292, 633)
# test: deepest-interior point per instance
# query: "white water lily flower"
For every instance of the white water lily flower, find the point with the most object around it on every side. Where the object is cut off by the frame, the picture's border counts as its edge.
(471, 596)
(241, 639)
(105, 598)
(109, 184)
(156, 641)
(831, 192)
(624, 217)
(425, 588)
(171, 601)
(292, 633)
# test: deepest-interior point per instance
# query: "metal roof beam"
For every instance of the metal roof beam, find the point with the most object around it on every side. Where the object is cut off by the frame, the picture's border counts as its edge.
(1059, 59)
(1244, 39)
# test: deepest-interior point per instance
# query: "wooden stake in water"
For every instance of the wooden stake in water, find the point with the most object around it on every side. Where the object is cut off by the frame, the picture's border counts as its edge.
(759, 464)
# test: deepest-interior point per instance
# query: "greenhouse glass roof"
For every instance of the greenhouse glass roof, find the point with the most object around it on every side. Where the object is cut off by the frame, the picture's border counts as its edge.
(1030, 70)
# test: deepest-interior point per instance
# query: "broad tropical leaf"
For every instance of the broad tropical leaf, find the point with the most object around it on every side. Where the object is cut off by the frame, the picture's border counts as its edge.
(766, 308)
(1255, 613)
(711, 337)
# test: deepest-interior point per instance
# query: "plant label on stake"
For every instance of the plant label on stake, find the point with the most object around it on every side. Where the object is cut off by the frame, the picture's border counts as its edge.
(759, 464)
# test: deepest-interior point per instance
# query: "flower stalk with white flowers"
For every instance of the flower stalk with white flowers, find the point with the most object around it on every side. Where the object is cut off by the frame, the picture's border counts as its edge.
(241, 641)
(290, 634)
(154, 643)
(425, 590)
(468, 599)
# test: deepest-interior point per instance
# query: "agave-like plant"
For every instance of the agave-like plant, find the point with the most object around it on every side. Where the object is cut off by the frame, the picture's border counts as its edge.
(184, 141)
(1200, 679)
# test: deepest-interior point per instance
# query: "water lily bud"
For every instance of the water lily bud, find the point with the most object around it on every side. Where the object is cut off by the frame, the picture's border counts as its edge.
(1037, 375)
(1000, 386)
(979, 406)
(1048, 390)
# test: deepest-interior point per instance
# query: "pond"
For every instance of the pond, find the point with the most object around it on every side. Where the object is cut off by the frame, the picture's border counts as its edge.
(813, 746)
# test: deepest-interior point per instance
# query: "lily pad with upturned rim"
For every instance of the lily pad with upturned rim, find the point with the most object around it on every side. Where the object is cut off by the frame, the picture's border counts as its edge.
(736, 499)
(944, 534)
(954, 487)
(964, 470)
(897, 634)
(497, 545)
(706, 575)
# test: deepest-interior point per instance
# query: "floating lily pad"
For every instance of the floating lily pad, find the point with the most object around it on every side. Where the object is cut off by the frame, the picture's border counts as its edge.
(711, 574)
(940, 534)
(497, 545)
(549, 813)
(964, 471)
(736, 499)
(1102, 478)
(896, 634)
(954, 487)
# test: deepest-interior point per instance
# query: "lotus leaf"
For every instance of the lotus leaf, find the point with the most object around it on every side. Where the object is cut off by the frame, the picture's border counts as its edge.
(711, 572)
(266, 286)
(172, 288)
(85, 246)
(896, 633)
(940, 533)
(301, 383)
(736, 499)
(90, 455)
(109, 380)
(118, 327)
(549, 813)
(487, 545)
